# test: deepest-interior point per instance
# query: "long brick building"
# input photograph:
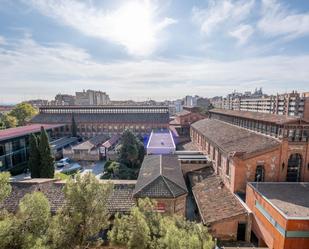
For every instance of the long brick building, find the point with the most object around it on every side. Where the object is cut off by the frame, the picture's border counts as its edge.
(247, 146)
(109, 120)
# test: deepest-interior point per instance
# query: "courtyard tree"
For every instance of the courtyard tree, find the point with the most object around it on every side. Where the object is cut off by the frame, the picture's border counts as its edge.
(84, 215)
(34, 157)
(26, 229)
(132, 150)
(146, 228)
(8, 121)
(23, 112)
(74, 127)
(47, 168)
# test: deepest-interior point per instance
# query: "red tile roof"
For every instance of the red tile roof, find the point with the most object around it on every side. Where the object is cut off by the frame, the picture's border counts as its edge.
(25, 130)
(215, 202)
(266, 117)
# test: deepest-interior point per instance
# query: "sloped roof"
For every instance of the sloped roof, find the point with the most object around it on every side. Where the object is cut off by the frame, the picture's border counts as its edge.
(120, 200)
(266, 117)
(231, 138)
(91, 143)
(160, 176)
(101, 117)
(183, 113)
(215, 202)
(25, 130)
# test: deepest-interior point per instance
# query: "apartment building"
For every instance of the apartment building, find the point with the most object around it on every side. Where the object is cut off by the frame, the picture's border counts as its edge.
(288, 104)
(90, 97)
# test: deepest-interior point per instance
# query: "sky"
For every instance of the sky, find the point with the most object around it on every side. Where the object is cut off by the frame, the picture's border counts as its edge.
(160, 49)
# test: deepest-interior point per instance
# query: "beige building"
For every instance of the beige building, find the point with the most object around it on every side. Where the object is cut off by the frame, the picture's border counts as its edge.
(288, 104)
(91, 97)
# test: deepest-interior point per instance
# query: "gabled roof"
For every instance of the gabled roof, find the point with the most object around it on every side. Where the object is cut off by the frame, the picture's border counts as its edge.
(160, 177)
(266, 117)
(233, 139)
(91, 143)
(215, 202)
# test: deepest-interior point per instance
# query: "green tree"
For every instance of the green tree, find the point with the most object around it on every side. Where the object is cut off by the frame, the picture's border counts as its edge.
(47, 168)
(5, 187)
(131, 231)
(8, 121)
(131, 151)
(85, 214)
(146, 228)
(23, 112)
(34, 162)
(74, 127)
(26, 229)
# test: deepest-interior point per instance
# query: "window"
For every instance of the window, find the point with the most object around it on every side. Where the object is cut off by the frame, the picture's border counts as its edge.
(259, 173)
(219, 159)
(227, 168)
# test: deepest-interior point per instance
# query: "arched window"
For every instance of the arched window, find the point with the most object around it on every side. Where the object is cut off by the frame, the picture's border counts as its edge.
(259, 173)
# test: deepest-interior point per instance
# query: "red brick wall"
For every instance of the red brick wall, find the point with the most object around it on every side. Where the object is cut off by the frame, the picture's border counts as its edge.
(227, 229)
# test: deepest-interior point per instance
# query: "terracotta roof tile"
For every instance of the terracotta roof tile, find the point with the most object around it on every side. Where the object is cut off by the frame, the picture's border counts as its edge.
(267, 117)
(121, 199)
(160, 176)
(215, 201)
(231, 138)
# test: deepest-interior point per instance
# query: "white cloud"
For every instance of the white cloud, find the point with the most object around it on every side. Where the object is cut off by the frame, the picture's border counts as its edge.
(2, 40)
(279, 20)
(31, 70)
(136, 25)
(221, 12)
(242, 33)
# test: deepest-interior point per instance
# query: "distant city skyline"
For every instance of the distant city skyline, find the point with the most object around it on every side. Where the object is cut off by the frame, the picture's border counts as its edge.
(152, 49)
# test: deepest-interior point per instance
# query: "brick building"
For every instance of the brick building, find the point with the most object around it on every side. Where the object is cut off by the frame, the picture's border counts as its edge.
(281, 214)
(182, 121)
(220, 210)
(254, 146)
(161, 179)
(108, 120)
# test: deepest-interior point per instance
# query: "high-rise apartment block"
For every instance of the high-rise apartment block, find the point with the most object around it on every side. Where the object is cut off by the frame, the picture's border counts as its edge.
(288, 104)
(91, 97)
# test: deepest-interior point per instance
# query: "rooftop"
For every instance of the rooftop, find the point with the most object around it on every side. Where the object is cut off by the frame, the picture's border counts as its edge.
(104, 107)
(160, 176)
(25, 130)
(183, 113)
(291, 198)
(266, 117)
(215, 202)
(121, 199)
(91, 143)
(232, 139)
(112, 141)
(162, 139)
